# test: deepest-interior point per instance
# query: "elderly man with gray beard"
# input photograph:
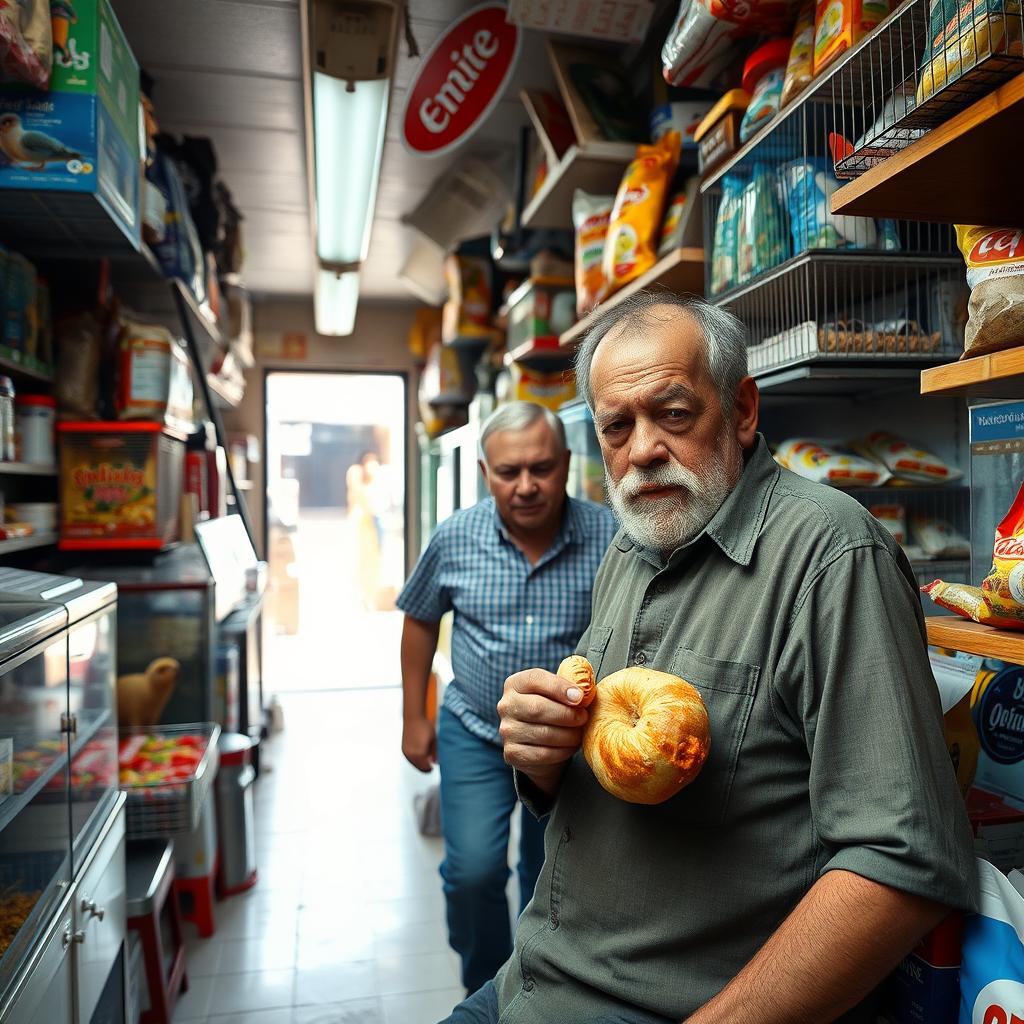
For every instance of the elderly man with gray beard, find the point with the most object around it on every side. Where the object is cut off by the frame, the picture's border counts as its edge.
(825, 834)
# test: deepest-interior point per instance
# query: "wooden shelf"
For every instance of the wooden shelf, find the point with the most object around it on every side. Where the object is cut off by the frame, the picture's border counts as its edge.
(27, 469)
(598, 168)
(997, 375)
(679, 271)
(973, 638)
(547, 351)
(36, 540)
(959, 171)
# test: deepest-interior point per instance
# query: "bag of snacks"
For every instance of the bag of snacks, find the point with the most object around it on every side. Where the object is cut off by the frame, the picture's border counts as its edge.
(893, 518)
(938, 539)
(800, 66)
(906, 462)
(995, 275)
(26, 42)
(761, 241)
(999, 601)
(590, 216)
(724, 272)
(699, 45)
(840, 24)
(962, 32)
(631, 246)
(830, 464)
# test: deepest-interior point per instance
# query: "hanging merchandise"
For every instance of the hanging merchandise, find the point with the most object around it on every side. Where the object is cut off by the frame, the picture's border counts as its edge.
(840, 24)
(724, 271)
(631, 246)
(26, 42)
(763, 76)
(828, 463)
(800, 64)
(590, 217)
(999, 601)
(962, 33)
(761, 236)
(808, 185)
(995, 274)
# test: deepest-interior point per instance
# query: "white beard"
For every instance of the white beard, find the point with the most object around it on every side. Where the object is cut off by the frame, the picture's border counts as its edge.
(664, 524)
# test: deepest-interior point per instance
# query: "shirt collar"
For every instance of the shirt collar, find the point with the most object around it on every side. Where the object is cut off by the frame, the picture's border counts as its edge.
(565, 531)
(736, 526)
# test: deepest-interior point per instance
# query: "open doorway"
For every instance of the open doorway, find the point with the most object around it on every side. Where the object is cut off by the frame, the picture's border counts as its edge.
(335, 514)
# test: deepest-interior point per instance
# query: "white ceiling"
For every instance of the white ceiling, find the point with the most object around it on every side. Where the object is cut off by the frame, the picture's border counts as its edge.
(231, 69)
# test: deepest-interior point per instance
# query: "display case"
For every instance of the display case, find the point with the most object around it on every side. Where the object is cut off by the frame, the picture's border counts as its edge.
(58, 750)
(586, 468)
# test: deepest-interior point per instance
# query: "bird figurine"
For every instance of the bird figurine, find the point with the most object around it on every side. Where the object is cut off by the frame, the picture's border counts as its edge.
(142, 696)
(30, 147)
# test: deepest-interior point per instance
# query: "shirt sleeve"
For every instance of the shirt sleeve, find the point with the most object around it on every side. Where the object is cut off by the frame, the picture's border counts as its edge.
(538, 803)
(426, 595)
(854, 677)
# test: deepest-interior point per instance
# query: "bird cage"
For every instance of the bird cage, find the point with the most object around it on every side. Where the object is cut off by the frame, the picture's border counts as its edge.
(927, 62)
(813, 286)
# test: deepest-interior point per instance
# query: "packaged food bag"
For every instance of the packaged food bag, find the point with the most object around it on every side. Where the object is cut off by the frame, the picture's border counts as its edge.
(906, 462)
(724, 272)
(698, 46)
(590, 217)
(840, 24)
(992, 968)
(829, 464)
(999, 601)
(808, 186)
(761, 241)
(26, 42)
(938, 539)
(995, 275)
(763, 77)
(631, 246)
(800, 66)
(893, 518)
(955, 673)
(962, 32)
(469, 290)
(672, 226)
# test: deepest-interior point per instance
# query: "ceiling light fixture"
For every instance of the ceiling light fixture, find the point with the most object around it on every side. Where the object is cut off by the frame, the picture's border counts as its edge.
(335, 298)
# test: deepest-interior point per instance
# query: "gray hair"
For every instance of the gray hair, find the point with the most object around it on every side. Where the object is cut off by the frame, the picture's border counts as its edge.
(520, 416)
(725, 338)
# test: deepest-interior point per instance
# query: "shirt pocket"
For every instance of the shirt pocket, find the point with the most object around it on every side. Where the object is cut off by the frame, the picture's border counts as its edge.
(597, 644)
(728, 689)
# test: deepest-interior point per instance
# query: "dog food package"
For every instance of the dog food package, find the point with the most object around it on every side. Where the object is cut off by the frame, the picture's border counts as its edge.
(800, 66)
(992, 958)
(840, 24)
(1000, 599)
(590, 217)
(962, 32)
(829, 464)
(995, 275)
(631, 246)
(907, 462)
(26, 41)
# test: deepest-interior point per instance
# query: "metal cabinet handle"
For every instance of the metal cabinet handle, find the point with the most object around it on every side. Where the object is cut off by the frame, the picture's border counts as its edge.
(89, 906)
(70, 937)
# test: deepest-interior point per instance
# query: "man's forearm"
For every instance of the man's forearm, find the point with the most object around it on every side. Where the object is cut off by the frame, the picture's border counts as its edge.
(840, 941)
(419, 642)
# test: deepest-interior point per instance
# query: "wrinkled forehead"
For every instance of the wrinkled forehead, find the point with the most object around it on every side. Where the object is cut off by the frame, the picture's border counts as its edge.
(638, 357)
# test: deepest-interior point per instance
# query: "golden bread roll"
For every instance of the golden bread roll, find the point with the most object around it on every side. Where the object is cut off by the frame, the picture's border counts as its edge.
(648, 735)
(580, 673)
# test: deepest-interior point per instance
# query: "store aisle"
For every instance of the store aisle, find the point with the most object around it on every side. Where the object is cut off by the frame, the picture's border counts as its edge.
(346, 922)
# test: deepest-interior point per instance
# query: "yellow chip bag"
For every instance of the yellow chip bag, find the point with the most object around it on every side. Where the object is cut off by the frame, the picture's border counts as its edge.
(631, 246)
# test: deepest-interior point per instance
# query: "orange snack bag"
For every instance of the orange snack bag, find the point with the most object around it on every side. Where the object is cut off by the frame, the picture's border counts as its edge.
(631, 246)
(999, 601)
(590, 216)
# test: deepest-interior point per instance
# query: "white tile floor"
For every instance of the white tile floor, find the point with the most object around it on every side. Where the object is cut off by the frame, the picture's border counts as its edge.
(346, 922)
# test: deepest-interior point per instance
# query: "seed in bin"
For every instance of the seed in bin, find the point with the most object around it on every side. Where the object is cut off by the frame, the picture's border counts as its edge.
(149, 760)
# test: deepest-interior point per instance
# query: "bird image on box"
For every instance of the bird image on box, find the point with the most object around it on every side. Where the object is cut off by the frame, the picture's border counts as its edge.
(142, 696)
(30, 147)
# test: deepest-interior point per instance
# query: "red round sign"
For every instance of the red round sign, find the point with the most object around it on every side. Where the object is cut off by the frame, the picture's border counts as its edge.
(461, 79)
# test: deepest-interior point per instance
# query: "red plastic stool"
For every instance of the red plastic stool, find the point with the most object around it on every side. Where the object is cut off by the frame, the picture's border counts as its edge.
(153, 912)
(195, 902)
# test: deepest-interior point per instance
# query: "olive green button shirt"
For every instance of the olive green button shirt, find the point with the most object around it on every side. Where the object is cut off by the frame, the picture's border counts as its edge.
(797, 617)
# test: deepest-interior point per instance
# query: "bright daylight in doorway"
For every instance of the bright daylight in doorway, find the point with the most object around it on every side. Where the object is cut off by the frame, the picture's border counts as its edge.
(335, 528)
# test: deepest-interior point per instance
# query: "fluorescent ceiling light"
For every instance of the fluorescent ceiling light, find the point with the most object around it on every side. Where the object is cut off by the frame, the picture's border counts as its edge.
(335, 301)
(348, 137)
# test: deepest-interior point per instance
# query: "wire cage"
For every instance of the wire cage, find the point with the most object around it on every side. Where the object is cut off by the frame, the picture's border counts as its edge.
(812, 285)
(927, 62)
(171, 807)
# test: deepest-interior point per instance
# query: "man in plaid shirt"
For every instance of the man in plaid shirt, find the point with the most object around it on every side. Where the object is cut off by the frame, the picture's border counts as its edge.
(517, 569)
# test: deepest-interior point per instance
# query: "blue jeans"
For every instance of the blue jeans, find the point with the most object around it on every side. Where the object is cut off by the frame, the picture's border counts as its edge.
(478, 799)
(482, 1008)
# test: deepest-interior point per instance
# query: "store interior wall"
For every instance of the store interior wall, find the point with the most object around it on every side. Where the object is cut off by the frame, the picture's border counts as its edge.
(378, 344)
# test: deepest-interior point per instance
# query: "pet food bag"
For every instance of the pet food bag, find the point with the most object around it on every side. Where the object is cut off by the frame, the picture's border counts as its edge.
(808, 186)
(830, 464)
(906, 462)
(999, 601)
(761, 237)
(995, 275)
(631, 246)
(590, 217)
(992, 968)
(800, 66)
(724, 272)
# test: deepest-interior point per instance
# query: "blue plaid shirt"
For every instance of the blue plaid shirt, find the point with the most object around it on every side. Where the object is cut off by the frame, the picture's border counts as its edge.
(509, 615)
